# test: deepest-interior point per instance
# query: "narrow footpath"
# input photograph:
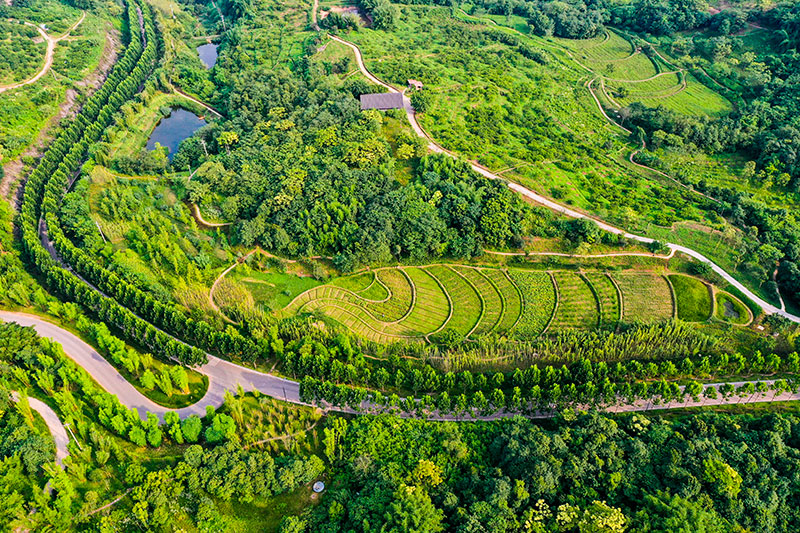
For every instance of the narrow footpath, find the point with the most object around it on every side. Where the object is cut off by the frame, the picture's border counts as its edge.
(48, 56)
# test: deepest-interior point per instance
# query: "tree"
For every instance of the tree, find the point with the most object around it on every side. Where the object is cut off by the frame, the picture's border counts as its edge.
(412, 511)
(191, 428)
(222, 428)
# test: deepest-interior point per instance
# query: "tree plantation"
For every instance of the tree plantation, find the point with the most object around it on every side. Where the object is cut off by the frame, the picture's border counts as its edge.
(549, 285)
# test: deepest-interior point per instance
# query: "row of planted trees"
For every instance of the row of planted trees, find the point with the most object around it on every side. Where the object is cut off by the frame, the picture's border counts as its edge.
(46, 185)
(538, 401)
(339, 362)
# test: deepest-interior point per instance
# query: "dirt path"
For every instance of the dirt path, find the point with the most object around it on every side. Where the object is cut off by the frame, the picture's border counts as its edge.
(48, 57)
(204, 222)
(670, 255)
(236, 263)
(13, 169)
(196, 101)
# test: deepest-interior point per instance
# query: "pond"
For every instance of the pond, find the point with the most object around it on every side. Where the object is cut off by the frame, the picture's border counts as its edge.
(730, 310)
(171, 130)
(208, 54)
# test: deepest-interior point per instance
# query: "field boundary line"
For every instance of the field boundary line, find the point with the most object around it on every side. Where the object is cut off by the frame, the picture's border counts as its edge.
(480, 297)
(332, 302)
(555, 304)
(357, 295)
(672, 295)
(521, 300)
(413, 295)
(503, 303)
(449, 302)
(596, 295)
(619, 296)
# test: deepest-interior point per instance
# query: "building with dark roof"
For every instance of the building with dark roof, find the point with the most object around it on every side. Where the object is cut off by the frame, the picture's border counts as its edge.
(382, 101)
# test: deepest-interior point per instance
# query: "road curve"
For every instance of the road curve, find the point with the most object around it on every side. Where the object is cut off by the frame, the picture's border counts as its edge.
(222, 375)
(54, 425)
(547, 202)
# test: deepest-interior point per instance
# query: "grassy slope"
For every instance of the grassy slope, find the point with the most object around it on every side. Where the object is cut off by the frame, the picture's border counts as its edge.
(694, 298)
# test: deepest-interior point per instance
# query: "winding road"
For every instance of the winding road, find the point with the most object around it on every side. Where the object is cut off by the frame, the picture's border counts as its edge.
(225, 376)
(48, 56)
(222, 375)
(54, 425)
(767, 307)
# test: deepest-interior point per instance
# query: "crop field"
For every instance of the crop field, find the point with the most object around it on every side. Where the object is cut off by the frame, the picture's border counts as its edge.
(418, 303)
(577, 305)
(627, 70)
(539, 300)
(607, 296)
(646, 297)
(612, 56)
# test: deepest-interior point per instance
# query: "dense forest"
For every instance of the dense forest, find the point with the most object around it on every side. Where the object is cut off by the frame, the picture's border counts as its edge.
(304, 172)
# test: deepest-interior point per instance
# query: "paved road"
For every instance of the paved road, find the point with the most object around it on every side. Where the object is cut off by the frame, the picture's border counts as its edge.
(547, 202)
(48, 56)
(57, 429)
(222, 375)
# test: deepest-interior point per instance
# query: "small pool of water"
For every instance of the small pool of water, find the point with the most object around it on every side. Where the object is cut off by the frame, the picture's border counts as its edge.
(208, 54)
(171, 130)
(730, 310)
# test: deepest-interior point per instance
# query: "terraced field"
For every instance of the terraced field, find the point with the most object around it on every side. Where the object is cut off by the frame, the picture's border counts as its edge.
(626, 75)
(607, 295)
(646, 297)
(416, 304)
(577, 305)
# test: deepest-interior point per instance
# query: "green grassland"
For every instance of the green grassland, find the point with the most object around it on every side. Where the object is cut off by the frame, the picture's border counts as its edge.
(694, 298)
(26, 111)
(415, 304)
(535, 122)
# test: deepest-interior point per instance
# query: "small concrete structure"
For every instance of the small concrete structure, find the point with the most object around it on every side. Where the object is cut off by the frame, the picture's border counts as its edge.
(382, 101)
(415, 84)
